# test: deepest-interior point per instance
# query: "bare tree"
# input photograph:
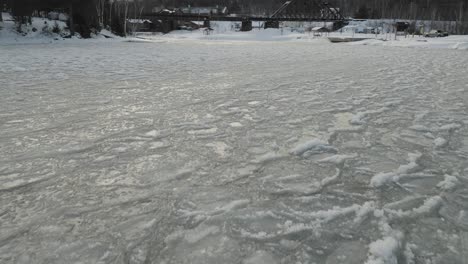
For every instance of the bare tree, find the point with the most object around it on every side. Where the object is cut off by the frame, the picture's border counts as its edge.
(100, 8)
(1, 10)
(126, 4)
(138, 7)
(433, 16)
(459, 19)
(117, 14)
(110, 4)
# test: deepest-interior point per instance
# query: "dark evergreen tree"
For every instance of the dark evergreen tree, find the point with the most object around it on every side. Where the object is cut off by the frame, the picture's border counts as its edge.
(362, 13)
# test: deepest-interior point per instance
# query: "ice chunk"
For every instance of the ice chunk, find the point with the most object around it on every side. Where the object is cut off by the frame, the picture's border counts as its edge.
(152, 133)
(366, 209)
(220, 148)
(360, 117)
(231, 206)
(193, 236)
(449, 183)
(440, 142)
(314, 145)
(337, 159)
(431, 205)
(204, 131)
(383, 178)
(236, 124)
(329, 180)
(384, 251)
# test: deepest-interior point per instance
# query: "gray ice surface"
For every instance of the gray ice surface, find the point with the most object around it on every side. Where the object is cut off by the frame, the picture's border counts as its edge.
(240, 152)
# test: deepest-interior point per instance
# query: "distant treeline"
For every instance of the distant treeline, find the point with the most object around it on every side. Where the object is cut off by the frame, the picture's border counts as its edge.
(83, 19)
(86, 16)
(112, 13)
(431, 10)
(405, 9)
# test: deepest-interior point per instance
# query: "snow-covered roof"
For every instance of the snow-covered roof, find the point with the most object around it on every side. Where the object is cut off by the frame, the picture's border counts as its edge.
(167, 11)
(204, 10)
(139, 21)
(319, 29)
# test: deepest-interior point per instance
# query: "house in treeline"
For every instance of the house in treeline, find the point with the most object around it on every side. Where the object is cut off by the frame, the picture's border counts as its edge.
(205, 11)
(169, 25)
(146, 25)
(81, 13)
(139, 25)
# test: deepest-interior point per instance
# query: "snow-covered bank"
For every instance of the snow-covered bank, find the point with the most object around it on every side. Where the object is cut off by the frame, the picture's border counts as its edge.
(451, 42)
(50, 31)
(41, 31)
(223, 31)
(286, 34)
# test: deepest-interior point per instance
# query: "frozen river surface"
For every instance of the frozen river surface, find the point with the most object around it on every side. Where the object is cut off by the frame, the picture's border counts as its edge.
(212, 152)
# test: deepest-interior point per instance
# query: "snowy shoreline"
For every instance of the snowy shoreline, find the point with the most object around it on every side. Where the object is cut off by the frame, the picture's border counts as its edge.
(222, 32)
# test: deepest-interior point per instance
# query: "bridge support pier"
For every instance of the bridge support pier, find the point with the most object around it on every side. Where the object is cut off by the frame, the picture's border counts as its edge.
(246, 25)
(271, 24)
(206, 24)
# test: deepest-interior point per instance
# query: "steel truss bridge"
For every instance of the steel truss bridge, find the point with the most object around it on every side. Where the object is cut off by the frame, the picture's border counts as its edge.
(294, 10)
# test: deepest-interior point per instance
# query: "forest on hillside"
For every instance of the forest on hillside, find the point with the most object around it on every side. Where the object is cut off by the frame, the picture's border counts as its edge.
(97, 14)
(455, 10)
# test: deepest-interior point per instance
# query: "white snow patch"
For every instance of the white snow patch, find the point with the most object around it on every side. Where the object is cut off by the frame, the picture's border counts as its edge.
(449, 183)
(220, 148)
(206, 131)
(387, 249)
(408, 253)
(330, 214)
(361, 117)
(412, 166)
(430, 205)
(366, 209)
(440, 142)
(314, 145)
(231, 206)
(290, 177)
(337, 159)
(152, 133)
(253, 102)
(384, 251)
(383, 178)
(236, 124)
